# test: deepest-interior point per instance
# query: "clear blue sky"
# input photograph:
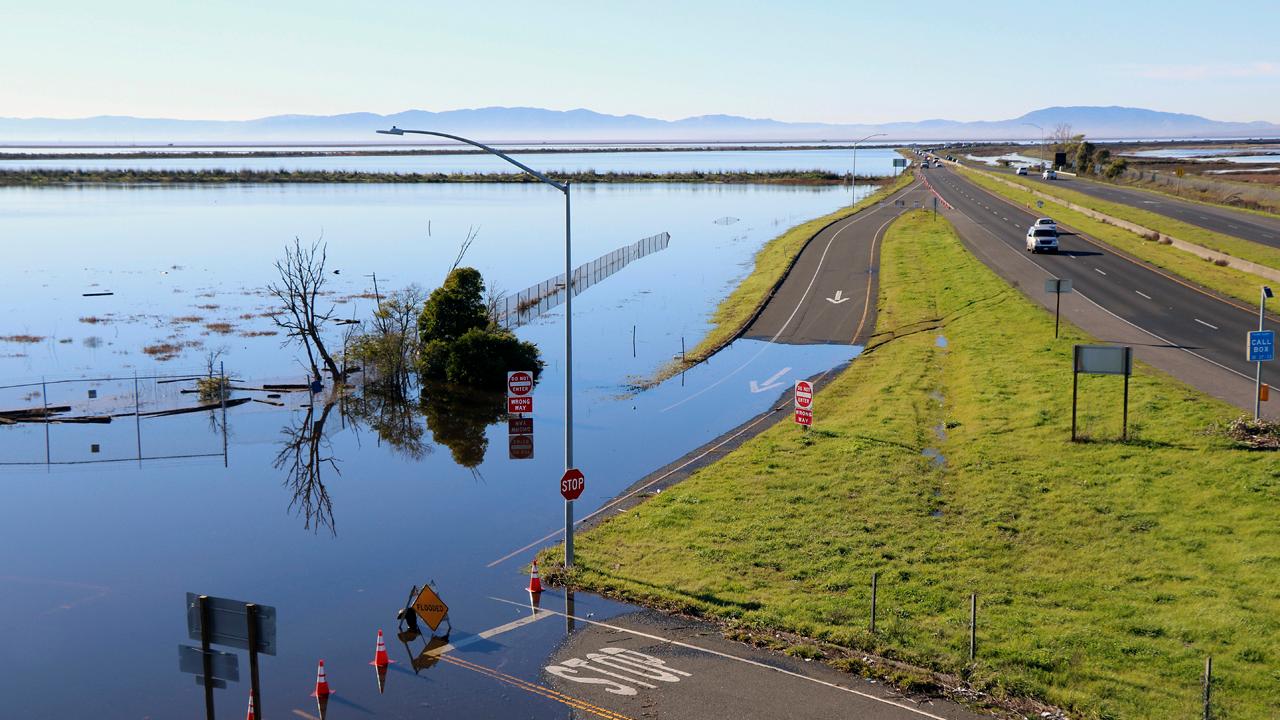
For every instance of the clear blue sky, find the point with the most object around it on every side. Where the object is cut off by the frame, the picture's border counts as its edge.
(824, 61)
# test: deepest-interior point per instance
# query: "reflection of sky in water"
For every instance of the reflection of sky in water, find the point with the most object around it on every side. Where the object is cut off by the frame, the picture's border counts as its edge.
(871, 161)
(1270, 154)
(205, 253)
(109, 549)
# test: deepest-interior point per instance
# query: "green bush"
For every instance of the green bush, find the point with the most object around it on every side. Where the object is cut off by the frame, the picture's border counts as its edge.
(454, 308)
(460, 344)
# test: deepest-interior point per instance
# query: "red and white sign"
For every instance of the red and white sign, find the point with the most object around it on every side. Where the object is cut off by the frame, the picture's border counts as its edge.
(520, 447)
(519, 389)
(572, 483)
(804, 402)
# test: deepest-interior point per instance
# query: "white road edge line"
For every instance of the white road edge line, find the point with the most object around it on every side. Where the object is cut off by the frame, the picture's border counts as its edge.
(727, 656)
(1126, 321)
(1214, 327)
(486, 634)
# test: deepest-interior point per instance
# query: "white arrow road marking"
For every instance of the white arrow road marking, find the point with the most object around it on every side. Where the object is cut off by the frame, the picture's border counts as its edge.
(838, 299)
(772, 382)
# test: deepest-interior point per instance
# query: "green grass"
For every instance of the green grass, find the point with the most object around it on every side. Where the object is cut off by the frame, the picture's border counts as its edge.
(1106, 571)
(771, 261)
(1234, 246)
(1226, 280)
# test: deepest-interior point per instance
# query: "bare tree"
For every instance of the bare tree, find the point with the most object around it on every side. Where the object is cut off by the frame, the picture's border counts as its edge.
(1061, 135)
(472, 232)
(302, 279)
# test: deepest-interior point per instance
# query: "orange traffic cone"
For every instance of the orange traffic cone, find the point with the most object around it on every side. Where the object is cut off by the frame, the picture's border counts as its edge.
(322, 683)
(381, 670)
(535, 584)
(249, 716)
(380, 658)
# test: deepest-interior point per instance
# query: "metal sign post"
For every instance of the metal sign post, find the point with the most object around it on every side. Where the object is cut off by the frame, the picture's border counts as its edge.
(1262, 348)
(248, 626)
(1101, 360)
(1057, 286)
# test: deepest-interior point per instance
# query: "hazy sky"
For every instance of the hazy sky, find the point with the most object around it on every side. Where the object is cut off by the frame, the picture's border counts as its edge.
(823, 61)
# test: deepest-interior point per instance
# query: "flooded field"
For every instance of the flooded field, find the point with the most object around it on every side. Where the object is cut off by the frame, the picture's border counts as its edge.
(331, 511)
(871, 162)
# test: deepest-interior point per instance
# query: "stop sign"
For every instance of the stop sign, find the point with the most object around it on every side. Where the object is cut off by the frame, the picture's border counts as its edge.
(572, 484)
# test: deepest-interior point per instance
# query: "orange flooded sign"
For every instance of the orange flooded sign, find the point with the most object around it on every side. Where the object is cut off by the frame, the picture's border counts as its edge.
(430, 607)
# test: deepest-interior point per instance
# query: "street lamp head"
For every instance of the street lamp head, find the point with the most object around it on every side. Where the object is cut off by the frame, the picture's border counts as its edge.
(1266, 290)
(393, 131)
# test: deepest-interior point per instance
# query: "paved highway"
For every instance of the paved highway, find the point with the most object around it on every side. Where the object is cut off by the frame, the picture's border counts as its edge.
(1180, 316)
(830, 294)
(1250, 226)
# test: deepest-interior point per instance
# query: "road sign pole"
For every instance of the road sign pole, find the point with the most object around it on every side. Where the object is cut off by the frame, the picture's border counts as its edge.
(1124, 427)
(1057, 312)
(251, 619)
(207, 658)
(1075, 389)
(1257, 380)
(568, 374)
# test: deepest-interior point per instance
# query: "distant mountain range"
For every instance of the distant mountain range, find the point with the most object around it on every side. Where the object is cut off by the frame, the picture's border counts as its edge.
(533, 125)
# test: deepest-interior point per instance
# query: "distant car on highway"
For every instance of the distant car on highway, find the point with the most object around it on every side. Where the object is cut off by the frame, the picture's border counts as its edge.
(1045, 223)
(1042, 239)
(1020, 171)
(1048, 175)
(937, 163)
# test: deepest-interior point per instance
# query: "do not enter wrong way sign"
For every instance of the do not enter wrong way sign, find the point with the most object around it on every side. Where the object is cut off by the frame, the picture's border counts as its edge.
(804, 403)
(572, 483)
(519, 392)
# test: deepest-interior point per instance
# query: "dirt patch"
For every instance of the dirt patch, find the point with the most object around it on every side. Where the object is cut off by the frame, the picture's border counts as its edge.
(222, 328)
(164, 351)
(22, 338)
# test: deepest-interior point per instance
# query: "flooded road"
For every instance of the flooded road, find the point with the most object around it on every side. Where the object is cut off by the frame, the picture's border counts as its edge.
(331, 513)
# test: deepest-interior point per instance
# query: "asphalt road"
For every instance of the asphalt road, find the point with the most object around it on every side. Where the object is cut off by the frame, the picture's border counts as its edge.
(1249, 226)
(649, 665)
(830, 295)
(1177, 315)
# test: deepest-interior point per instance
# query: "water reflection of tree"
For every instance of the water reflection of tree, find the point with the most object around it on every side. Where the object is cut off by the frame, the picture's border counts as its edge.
(306, 451)
(458, 417)
(396, 421)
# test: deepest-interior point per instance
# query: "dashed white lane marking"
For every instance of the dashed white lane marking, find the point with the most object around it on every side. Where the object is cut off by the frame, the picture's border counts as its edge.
(1143, 294)
(1100, 271)
(736, 658)
(1212, 327)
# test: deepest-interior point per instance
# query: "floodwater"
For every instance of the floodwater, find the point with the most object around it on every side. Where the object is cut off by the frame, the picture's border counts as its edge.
(1250, 155)
(871, 161)
(330, 513)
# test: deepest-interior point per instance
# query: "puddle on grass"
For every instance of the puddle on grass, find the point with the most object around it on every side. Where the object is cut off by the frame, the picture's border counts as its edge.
(936, 396)
(940, 430)
(936, 457)
(940, 341)
(935, 513)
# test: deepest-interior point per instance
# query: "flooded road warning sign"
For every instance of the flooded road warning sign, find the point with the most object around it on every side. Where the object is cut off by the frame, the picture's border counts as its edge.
(430, 607)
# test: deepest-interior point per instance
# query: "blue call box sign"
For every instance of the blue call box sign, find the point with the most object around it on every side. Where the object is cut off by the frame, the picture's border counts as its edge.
(1262, 345)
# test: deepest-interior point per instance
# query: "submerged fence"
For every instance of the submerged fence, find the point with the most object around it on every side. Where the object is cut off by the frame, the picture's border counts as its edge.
(106, 419)
(516, 310)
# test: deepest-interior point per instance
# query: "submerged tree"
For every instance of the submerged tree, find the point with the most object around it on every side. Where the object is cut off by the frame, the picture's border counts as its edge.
(458, 418)
(299, 289)
(387, 353)
(459, 341)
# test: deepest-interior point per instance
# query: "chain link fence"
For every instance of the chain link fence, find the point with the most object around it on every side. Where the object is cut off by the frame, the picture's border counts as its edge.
(515, 310)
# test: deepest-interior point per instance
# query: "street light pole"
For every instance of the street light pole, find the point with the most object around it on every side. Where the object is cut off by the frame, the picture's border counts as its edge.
(1044, 150)
(853, 181)
(568, 311)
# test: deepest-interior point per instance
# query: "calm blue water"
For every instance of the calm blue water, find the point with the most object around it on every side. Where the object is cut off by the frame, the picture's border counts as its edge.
(870, 162)
(99, 556)
(1269, 154)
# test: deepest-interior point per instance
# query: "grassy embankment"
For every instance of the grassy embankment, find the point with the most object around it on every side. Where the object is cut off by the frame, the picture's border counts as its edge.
(1106, 571)
(1226, 280)
(223, 177)
(770, 264)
